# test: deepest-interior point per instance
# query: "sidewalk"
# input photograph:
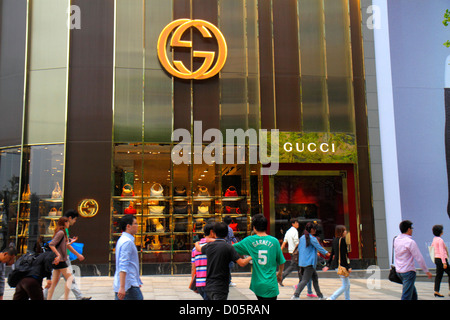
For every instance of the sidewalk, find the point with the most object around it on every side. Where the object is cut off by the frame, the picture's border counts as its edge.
(167, 287)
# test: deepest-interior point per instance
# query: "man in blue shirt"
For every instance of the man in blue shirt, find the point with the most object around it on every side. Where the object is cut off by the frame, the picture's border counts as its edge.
(127, 281)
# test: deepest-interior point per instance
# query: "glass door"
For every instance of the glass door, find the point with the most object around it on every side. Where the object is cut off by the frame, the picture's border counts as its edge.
(322, 197)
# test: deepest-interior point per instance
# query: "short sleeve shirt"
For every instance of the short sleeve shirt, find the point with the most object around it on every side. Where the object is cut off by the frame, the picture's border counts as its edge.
(219, 254)
(266, 256)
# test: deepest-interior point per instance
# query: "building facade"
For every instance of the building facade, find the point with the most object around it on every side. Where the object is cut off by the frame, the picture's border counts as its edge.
(180, 111)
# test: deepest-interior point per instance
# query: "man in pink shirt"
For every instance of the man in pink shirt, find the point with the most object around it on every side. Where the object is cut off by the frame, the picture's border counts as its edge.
(406, 251)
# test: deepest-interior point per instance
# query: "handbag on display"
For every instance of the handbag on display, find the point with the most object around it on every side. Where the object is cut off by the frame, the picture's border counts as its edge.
(156, 209)
(130, 209)
(53, 212)
(179, 191)
(183, 209)
(51, 227)
(156, 192)
(180, 225)
(154, 225)
(202, 209)
(203, 191)
(198, 225)
(232, 210)
(393, 275)
(155, 243)
(231, 192)
(127, 190)
(342, 271)
(26, 193)
(56, 193)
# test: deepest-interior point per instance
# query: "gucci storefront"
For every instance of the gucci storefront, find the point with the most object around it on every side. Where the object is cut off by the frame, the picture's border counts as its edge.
(181, 111)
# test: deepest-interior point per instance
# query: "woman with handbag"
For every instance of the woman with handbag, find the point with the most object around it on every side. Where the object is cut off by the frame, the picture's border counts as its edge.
(339, 261)
(59, 246)
(440, 259)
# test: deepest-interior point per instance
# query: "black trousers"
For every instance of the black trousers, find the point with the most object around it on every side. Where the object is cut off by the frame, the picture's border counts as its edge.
(293, 266)
(440, 274)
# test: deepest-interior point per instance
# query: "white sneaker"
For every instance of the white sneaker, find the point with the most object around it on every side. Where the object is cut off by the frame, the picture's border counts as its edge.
(232, 284)
(295, 298)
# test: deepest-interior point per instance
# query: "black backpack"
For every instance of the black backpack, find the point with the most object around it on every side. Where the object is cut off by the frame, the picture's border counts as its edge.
(20, 268)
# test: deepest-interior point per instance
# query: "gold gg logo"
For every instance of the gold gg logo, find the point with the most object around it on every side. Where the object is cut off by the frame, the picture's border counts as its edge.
(88, 208)
(178, 69)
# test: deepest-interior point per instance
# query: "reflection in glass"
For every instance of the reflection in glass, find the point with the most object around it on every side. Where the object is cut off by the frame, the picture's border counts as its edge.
(41, 196)
(9, 191)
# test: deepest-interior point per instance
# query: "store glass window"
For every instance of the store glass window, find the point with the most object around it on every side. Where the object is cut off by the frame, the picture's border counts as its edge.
(41, 196)
(320, 198)
(9, 192)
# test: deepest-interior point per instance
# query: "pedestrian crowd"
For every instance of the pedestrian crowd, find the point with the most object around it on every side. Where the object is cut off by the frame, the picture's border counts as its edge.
(213, 257)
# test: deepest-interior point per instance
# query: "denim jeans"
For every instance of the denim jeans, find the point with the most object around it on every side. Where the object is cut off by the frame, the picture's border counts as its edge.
(345, 288)
(409, 289)
(134, 293)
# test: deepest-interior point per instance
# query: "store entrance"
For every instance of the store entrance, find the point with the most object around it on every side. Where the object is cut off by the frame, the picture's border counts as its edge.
(324, 194)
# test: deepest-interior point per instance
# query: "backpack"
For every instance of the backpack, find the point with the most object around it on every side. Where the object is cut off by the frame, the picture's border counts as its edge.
(20, 268)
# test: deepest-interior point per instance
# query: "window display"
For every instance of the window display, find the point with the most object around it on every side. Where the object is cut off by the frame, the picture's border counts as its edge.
(172, 203)
(41, 199)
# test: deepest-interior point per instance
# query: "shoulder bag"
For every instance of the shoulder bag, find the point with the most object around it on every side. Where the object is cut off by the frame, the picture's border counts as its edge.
(342, 271)
(393, 276)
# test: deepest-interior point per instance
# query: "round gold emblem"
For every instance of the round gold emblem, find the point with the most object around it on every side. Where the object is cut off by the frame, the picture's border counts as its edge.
(178, 69)
(88, 208)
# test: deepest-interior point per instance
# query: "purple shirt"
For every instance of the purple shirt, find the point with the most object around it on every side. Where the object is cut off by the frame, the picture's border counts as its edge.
(406, 250)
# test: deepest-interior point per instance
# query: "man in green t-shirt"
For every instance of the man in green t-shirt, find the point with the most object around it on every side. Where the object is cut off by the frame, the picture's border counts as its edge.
(266, 255)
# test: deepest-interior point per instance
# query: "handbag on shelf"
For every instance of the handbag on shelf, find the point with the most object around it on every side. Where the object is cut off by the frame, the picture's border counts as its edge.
(342, 271)
(156, 192)
(202, 209)
(57, 193)
(203, 191)
(156, 209)
(130, 209)
(179, 191)
(183, 209)
(53, 212)
(393, 276)
(26, 193)
(51, 227)
(232, 210)
(180, 225)
(155, 243)
(231, 192)
(127, 190)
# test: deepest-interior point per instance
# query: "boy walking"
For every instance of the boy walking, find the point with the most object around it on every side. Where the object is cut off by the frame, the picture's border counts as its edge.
(266, 253)
(219, 254)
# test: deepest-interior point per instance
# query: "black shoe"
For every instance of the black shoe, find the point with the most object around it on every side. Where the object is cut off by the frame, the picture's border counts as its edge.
(86, 298)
